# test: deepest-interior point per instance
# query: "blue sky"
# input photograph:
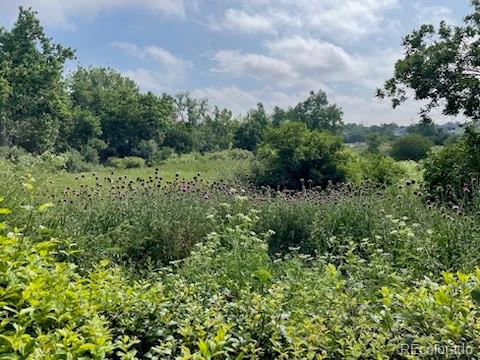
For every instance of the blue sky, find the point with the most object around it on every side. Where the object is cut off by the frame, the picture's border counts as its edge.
(240, 52)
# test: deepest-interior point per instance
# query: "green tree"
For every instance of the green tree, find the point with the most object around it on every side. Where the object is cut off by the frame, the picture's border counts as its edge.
(5, 90)
(442, 66)
(455, 168)
(84, 129)
(430, 131)
(180, 138)
(155, 116)
(32, 92)
(251, 131)
(374, 141)
(190, 111)
(216, 133)
(126, 116)
(292, 152)
(279, 116)
(114, 99)
(411, 147)
(317, 113)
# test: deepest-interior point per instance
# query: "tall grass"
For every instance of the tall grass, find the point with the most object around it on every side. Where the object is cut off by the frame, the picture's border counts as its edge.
(149, 222)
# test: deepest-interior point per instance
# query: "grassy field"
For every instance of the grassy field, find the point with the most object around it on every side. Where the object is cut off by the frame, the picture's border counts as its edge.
(186, 167)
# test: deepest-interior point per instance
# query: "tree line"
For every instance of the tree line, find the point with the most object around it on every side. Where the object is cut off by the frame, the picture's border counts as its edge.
(101, 113)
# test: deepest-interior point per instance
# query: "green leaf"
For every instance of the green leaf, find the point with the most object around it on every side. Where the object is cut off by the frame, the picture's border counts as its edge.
(5, 211)
(263, 275)
(7, 340)
(476, 296)
(45, 207)
(203, 348)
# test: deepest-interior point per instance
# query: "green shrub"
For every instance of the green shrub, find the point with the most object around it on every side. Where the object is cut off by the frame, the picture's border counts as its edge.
(75, 162)
(454, 170)
(291, 152)
(129, 162)
(149, 150)
(232, 154)
(90, 154)
(375, 168)
(13, 154)
(48, 310)
(411, 147)
(229, 299)
(292, 226)
(381, 169)
(179, 138)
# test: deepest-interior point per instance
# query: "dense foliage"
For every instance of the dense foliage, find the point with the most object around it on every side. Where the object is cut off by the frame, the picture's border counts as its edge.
(291, 154)
(411, 147)
(385, 280)
(441, 66)
(454, 169)
(33, 100)
(315, 112)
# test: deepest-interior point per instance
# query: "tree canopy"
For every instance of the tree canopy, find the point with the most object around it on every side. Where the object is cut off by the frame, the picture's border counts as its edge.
(32, 96)
(441, 66)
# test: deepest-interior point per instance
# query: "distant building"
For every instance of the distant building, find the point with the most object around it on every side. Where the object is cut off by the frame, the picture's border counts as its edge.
(451, 128)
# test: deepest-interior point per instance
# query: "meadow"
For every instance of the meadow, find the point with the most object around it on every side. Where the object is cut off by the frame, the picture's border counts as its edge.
(143, 225)
(196, 264)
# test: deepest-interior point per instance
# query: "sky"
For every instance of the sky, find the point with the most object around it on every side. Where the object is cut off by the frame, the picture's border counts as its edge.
(241, 52)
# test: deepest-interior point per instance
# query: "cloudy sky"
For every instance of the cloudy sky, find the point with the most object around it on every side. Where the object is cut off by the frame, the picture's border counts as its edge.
(239, 52)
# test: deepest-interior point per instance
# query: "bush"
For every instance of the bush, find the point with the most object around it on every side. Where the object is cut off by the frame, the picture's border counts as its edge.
(232, 154)
(291, 153)
(149, 150)
(14, 154)
(75, 162)
(179, 138)
(129, 162)
(230, 299)
(376, 168)
(411, 147)
(48, 310)
(90, 154)
(454, 170)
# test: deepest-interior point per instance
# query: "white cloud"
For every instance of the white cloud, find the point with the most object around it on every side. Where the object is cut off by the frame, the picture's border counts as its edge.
(238, 64)
(244, 22)
(312, 57)
(345, 20)
(239, 100)
(292, 62)
(348, 19)
(171, 67)
(64, 12)
(165, 69)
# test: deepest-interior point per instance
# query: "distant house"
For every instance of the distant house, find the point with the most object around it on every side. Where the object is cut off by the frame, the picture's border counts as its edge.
(451, 128)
